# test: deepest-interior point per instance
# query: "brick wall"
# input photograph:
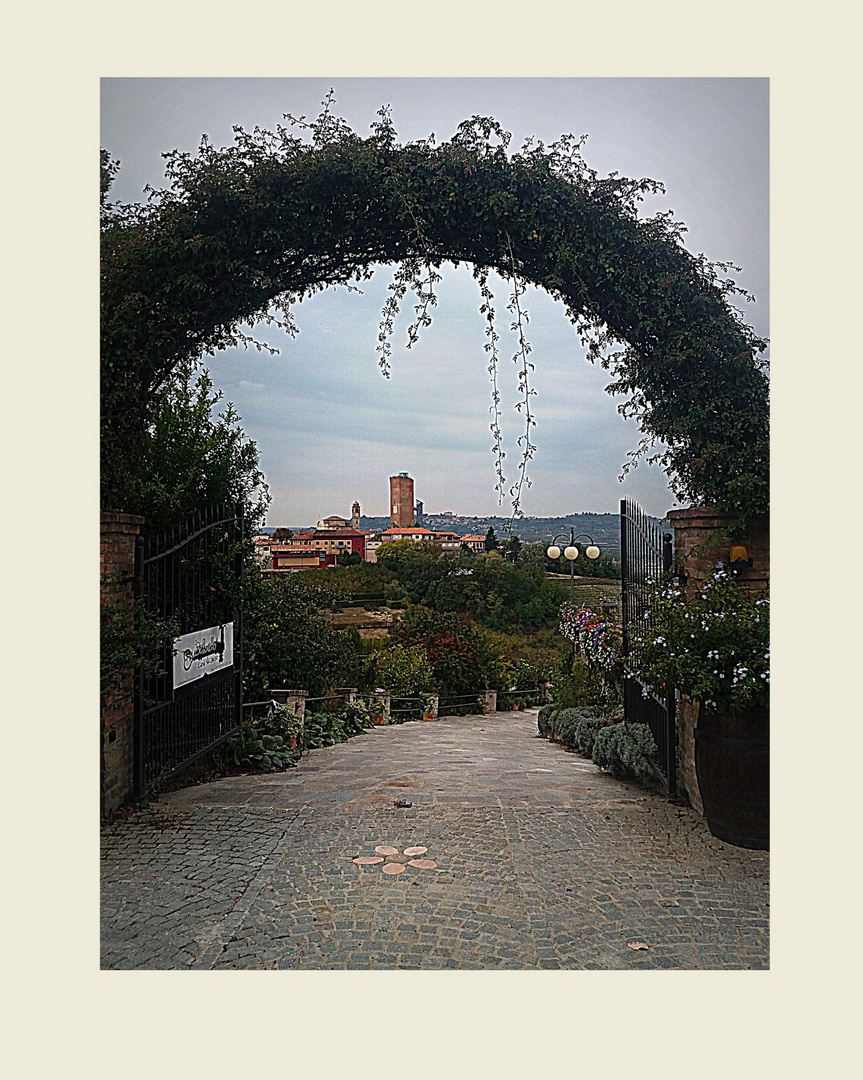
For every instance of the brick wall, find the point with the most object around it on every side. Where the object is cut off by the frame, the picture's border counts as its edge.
(117, 566)
(700, 541)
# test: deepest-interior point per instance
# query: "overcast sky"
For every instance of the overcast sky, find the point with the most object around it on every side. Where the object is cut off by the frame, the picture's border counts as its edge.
(329, 427)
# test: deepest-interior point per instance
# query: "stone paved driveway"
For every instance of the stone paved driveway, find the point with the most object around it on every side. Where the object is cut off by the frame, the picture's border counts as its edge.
(540, 861)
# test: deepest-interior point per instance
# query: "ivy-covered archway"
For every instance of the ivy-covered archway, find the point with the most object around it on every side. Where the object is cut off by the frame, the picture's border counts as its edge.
(245, 231)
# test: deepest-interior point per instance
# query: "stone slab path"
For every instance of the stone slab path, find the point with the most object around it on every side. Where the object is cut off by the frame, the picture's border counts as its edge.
(540, 861)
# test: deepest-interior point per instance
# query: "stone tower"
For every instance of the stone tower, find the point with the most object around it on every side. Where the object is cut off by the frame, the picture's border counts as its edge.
(355, 516)
(401, 501)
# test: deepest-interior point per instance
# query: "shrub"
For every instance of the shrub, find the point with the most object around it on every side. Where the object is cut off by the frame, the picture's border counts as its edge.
(625, 750)
(328, 727)
(463, 657)
(323, 729)
(578, 685)
(287, 642)
(714, 646)
(405, 671)
(567, 722)
(546, 719)
(586, 731)
(252, 749)
(281, 721)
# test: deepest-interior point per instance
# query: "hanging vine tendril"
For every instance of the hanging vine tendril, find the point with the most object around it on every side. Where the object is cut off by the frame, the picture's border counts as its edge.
(407, 276)
(521, 357)
(487, 309)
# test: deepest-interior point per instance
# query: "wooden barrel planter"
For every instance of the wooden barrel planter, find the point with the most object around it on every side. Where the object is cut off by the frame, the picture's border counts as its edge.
(732, 763)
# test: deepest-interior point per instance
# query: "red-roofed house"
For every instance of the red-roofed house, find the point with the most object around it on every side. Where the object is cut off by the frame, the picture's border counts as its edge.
(412, 532)
(474, 542)
(287, 559)
(449, 541)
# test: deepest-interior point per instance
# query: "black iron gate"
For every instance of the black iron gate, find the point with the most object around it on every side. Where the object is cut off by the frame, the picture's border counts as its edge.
(646, 560)
(189, 684)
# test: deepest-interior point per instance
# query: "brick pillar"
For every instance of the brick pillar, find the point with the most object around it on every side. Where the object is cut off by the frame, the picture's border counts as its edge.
(294, 699)
(349, 693)
(118, 534)
(701, 540)
(430, 710)
(489, 702)
(379, 706)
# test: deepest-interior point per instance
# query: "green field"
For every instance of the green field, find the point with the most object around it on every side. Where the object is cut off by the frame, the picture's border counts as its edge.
(593, 592)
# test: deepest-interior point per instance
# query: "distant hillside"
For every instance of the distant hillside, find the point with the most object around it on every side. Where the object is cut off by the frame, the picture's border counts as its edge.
(604, 529)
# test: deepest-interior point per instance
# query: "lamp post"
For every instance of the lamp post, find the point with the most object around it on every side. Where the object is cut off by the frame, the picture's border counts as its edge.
(571, 553)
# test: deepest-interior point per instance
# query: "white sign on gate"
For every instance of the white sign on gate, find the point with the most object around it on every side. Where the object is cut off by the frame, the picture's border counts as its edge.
(203, 653)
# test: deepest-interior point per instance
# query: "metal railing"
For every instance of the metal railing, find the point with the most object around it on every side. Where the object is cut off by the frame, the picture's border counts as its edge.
(405, 709)
(460, 704)
(523, 699)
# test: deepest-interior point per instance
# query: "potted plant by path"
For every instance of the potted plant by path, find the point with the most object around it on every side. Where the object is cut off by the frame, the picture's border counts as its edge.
(714, 647)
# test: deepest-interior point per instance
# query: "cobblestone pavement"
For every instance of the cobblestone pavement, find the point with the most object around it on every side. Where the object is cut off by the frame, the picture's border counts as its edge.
(541, 861)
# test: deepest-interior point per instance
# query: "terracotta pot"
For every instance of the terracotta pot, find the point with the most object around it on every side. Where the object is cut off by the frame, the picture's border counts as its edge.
(732, 763)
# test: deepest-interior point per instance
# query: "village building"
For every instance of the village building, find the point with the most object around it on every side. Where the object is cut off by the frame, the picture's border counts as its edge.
(475, 542)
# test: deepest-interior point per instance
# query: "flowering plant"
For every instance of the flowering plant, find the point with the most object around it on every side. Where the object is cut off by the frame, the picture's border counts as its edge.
(713, 647)
(600, 642)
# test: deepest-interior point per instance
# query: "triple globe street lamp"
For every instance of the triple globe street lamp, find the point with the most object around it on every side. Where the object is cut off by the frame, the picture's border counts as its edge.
(571, 553)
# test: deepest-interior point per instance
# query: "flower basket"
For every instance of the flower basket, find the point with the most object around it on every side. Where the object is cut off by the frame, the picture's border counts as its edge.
(732, 763)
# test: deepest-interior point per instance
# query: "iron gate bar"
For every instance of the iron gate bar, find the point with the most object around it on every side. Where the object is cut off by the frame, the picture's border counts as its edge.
(646, 558)
(193, 577)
